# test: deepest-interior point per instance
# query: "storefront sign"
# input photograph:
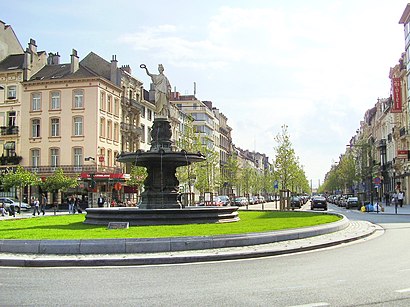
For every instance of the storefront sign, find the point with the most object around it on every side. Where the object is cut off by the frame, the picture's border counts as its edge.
(402, 154)
(397, 102)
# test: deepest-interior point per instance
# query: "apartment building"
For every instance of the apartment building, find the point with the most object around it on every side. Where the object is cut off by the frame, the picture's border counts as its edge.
(16, 66)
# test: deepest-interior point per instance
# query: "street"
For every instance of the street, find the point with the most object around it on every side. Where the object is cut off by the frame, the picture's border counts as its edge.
(368, 272)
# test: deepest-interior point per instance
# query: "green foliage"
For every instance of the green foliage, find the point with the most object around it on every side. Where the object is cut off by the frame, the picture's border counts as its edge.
(288, 171)
(58, 182)
(71, 227)
(20, 178)
(137, 176)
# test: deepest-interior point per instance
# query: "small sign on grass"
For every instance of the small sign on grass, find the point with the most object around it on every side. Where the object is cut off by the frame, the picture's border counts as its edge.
(118, 225)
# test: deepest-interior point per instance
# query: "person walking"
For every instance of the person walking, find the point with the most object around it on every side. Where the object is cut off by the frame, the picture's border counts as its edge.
(36, 205)
(71, 202)
(400, 197)
(43, 203)
(100, 201)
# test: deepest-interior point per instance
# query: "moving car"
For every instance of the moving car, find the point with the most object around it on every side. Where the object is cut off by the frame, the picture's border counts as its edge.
(8, 201)
(352, 202)
(318, 202)
(295, 202)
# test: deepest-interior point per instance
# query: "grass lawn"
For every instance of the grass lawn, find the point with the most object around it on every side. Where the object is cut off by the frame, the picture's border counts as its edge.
(70, 227)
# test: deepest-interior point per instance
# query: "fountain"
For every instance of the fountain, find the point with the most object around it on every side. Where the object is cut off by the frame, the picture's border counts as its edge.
(160, 204)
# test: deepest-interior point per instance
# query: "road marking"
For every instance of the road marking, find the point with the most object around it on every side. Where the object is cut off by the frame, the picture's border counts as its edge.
(313, 305)
(403, 290)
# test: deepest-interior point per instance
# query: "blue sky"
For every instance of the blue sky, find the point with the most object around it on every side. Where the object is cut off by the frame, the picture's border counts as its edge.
(315, 65)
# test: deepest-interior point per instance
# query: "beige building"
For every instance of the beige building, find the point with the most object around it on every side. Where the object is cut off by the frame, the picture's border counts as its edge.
(72, 121)
(16, 66)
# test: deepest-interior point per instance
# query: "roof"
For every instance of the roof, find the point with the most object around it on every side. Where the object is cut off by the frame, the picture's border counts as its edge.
(62, 71)
(405, 16)
(97, 64)
(14, 61)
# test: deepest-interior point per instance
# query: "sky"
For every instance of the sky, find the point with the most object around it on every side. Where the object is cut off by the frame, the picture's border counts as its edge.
(315, 66)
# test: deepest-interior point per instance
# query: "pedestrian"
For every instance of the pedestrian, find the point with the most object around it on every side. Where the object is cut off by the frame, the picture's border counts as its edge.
(43, 203)
(400, 197)
(2, 210)
(71, 202)
(36, 207)
(100, 201)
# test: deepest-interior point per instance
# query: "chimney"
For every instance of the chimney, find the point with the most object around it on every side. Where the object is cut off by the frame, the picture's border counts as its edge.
(26, 66)
(32, 46)
(53, 59)
(75, 64)
(126, 68)
(114, 71)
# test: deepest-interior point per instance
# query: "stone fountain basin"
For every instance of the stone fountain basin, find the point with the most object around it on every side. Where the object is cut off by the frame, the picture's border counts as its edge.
(177, 158)
(141, 217)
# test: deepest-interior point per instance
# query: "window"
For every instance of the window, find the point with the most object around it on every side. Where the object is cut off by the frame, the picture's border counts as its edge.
(54, 157)
(9, 149)
(55, 101)
(102, 101)
(78, 126)
(11, 118)
(116, 132)
(143, 112)
(36, 102)
(55, 127)
(116, 106)
(102, 127)
(78, 99)
(149, 139)
(143, 133)
(109, 157)
(149, 115)
(109, 130)
(35, 157)
(109, 105)
(35, 128)
(12, 92)
(78, 158)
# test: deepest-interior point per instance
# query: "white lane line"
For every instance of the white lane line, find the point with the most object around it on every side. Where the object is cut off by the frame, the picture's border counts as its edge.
(313, 305)
(403, 290)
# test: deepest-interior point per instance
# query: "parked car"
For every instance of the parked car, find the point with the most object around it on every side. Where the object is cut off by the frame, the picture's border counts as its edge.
(241, 201)
(8, 201)
(352, 202)
(318, 202)
(295, 202)
(226, 201)
(261, 199)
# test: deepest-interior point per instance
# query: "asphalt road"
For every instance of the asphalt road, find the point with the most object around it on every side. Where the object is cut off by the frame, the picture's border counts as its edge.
(371, 272)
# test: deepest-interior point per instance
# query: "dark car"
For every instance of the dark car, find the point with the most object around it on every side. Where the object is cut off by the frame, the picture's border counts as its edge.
(295, 202)
(318, 202)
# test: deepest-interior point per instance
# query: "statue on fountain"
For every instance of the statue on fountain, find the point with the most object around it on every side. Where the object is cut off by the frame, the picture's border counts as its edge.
(162, 91)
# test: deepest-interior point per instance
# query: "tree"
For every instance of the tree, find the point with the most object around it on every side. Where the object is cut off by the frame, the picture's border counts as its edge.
(137, 176)
(20, 179)
(58, 182)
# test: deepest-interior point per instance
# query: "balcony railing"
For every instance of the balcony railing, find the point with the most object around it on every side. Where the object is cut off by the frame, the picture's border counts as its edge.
(128, 128)
(131, 103)
(9, 130)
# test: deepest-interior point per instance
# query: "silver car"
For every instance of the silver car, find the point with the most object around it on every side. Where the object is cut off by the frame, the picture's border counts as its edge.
(8, 201)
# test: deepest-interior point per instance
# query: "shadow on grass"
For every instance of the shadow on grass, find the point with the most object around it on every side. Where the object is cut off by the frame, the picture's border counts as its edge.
(71, 226)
